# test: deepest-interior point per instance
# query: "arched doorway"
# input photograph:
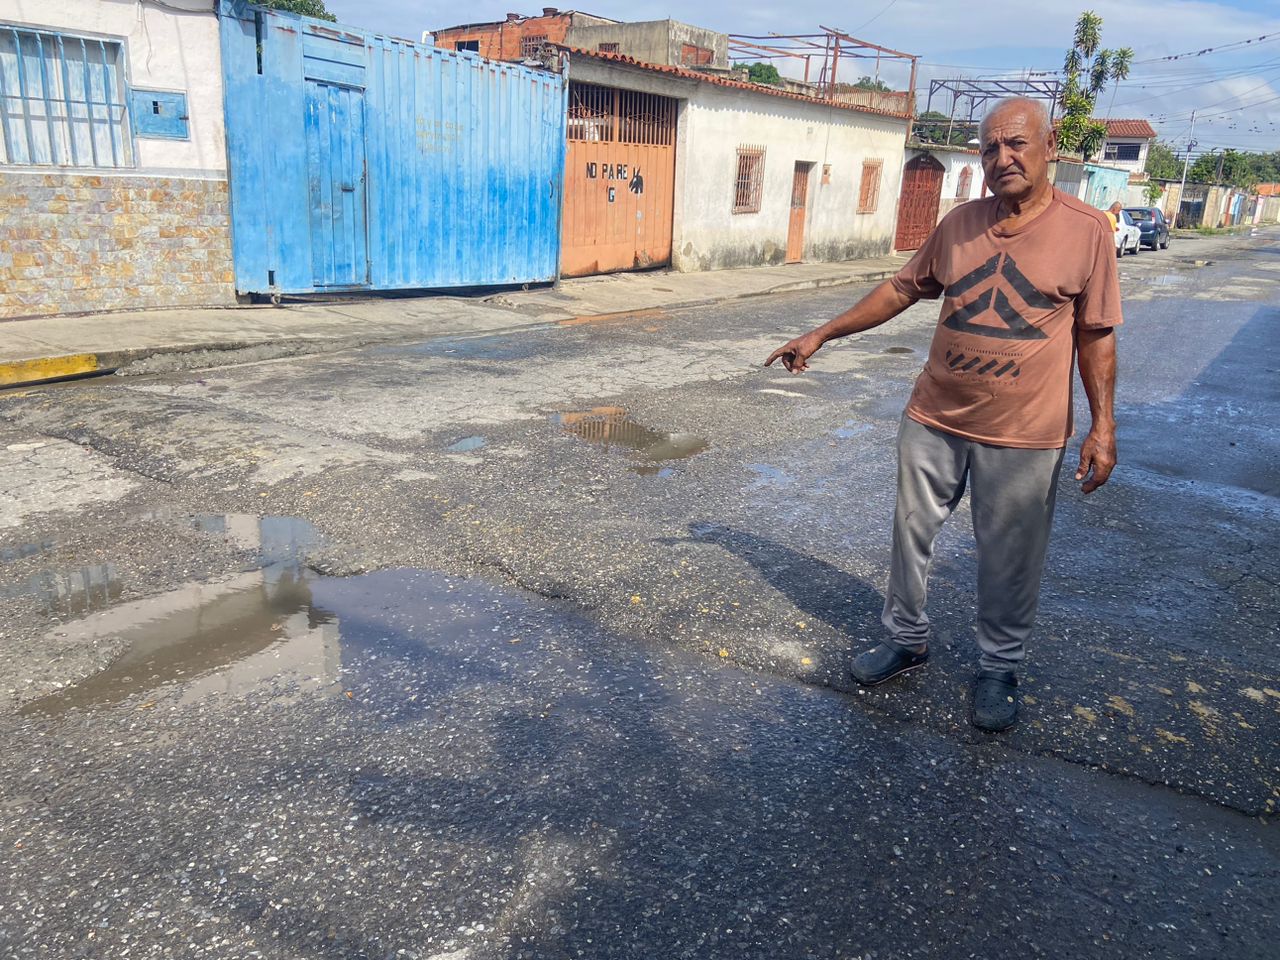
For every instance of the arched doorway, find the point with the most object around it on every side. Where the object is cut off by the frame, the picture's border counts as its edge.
(918, 208)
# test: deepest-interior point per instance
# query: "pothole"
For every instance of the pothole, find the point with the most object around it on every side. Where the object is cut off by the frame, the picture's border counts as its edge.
(614, 429)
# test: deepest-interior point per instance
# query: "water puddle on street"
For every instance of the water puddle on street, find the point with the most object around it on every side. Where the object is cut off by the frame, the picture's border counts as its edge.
(613, 429)
(207, 637)
(466, 445)
(70, 593)
(898, 350)
(287, 634)
(25, 550)
(850, 429)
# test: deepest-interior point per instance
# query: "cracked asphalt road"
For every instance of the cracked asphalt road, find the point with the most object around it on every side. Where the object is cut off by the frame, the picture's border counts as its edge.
(552, 662)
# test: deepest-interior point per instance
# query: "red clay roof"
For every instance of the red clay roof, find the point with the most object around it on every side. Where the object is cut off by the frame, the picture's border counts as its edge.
(1130, 128)
(725, 82)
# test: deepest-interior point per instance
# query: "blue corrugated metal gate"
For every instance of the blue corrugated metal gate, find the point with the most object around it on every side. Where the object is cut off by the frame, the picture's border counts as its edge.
(359, 161)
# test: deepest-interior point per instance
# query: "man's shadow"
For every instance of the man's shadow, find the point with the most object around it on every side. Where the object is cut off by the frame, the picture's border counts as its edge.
(826, 593)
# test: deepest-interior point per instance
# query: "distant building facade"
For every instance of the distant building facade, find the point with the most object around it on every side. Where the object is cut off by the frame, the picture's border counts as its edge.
(666, 42)
(667, 165)
(1127, 144)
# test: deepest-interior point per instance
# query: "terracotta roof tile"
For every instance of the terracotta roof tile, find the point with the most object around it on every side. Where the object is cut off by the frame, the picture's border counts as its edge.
(725, 82)
(1130, 128)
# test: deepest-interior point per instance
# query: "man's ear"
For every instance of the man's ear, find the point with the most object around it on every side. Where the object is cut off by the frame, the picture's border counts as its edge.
(1052, 145)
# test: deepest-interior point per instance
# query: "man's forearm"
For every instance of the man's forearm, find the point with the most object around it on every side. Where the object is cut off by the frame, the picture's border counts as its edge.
(1096, 356)
(879, 306)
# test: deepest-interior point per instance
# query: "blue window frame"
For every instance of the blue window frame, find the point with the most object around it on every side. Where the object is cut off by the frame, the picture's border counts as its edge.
(62, 100)
(159, 114)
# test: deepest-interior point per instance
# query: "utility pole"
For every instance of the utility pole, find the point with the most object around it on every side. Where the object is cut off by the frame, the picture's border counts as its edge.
(1191, 142)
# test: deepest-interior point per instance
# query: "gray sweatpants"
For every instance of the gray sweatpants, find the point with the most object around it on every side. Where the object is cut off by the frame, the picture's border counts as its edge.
(1012, 494)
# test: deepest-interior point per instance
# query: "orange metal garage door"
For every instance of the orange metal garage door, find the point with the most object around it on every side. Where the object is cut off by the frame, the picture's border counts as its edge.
(619, 180)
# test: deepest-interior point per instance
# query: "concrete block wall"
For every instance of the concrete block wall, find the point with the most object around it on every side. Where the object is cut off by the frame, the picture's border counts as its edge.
(78, 243)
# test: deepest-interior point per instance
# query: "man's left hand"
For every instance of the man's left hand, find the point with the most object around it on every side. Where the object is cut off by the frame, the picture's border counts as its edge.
(1097, 459)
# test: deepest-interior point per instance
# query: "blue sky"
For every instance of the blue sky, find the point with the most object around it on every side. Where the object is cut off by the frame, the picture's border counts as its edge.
(1236, 92)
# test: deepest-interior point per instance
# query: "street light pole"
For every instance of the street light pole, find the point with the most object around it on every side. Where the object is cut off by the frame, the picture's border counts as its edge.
(1191, 142)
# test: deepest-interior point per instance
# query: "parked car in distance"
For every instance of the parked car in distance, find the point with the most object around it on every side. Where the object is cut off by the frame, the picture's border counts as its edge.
(1154, 227)
(1128, 236)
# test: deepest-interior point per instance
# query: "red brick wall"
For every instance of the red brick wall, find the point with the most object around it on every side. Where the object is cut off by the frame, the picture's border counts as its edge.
(501, 41)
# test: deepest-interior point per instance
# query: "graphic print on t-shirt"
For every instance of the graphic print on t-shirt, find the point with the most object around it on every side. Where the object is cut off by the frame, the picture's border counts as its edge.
(1015, 325)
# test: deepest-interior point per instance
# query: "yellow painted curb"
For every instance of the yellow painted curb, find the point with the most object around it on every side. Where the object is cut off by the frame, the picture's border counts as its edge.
(47, 368)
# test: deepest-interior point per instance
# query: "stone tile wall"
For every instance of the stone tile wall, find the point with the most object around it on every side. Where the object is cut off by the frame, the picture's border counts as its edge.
(78, 243)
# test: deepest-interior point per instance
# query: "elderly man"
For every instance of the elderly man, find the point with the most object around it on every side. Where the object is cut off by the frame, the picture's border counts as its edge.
(1028, 281)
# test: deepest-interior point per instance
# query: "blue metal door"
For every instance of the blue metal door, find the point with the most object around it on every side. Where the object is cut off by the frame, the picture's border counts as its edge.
(359, 160)
(336, 180)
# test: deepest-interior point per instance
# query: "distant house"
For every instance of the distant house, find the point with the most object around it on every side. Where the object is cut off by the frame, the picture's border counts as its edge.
(669, 165)
(1127, 144)
(665, 42)
(113, 161)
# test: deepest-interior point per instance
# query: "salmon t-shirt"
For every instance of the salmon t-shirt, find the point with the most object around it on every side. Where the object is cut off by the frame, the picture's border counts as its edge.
(1000, 368)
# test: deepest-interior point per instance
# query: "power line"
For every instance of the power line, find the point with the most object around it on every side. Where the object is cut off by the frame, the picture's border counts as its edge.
(1207, 50)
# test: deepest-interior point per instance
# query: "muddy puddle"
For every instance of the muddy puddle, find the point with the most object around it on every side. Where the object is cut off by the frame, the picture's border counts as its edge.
(651, 451)
(286, 633)
(240, 630)
(70, 593)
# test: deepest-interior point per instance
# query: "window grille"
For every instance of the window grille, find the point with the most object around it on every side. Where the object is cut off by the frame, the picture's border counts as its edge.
(531, 45)
(607, 48)
(609, 115)
(1122, 151)
(869, 188)
(749, 184)
(62, 101)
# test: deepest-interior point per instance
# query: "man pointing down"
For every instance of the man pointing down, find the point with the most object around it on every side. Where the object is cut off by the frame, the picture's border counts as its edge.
(1028, 284)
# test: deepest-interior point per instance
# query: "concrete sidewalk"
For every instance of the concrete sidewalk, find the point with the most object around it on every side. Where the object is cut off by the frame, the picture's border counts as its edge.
(49, 348)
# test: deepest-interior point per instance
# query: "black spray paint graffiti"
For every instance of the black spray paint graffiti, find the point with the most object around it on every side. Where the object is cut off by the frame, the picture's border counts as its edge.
(616, 171)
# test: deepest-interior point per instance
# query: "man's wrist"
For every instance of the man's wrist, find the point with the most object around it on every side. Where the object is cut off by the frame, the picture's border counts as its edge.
(1103, 425)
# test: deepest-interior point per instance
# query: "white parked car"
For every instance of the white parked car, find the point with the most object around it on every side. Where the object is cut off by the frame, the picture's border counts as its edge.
(1128, 237)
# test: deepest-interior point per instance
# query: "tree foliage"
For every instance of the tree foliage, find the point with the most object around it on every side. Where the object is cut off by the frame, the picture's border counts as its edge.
(869, 83)
(1236, 168)
(1089, 68)
(764, 73)
(1163, 162)
(308, 8)
(934, 127)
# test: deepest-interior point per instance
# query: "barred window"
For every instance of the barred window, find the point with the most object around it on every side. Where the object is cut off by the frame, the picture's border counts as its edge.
(1122, 151)
(607, 47)
(531, 45)
(749, 184)
(62, 101)
(869, 188)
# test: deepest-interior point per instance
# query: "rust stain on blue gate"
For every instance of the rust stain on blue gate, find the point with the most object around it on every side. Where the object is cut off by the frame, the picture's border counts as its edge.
(363, 162)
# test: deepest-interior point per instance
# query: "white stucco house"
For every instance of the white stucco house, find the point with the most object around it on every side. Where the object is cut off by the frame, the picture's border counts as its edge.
(1127, 144)
(759, 175)
(112, 139)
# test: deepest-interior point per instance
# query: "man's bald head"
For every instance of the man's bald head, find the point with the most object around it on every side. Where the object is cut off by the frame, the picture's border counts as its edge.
(1036, 115)
(1017, 144)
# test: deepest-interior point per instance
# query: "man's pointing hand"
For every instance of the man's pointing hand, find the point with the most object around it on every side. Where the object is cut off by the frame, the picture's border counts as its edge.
(795, 353)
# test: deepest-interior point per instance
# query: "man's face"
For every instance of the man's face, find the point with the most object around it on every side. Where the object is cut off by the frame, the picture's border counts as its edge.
(1015, 153)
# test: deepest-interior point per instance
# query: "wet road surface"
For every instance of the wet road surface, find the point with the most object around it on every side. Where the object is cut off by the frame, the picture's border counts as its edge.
(535, 645)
